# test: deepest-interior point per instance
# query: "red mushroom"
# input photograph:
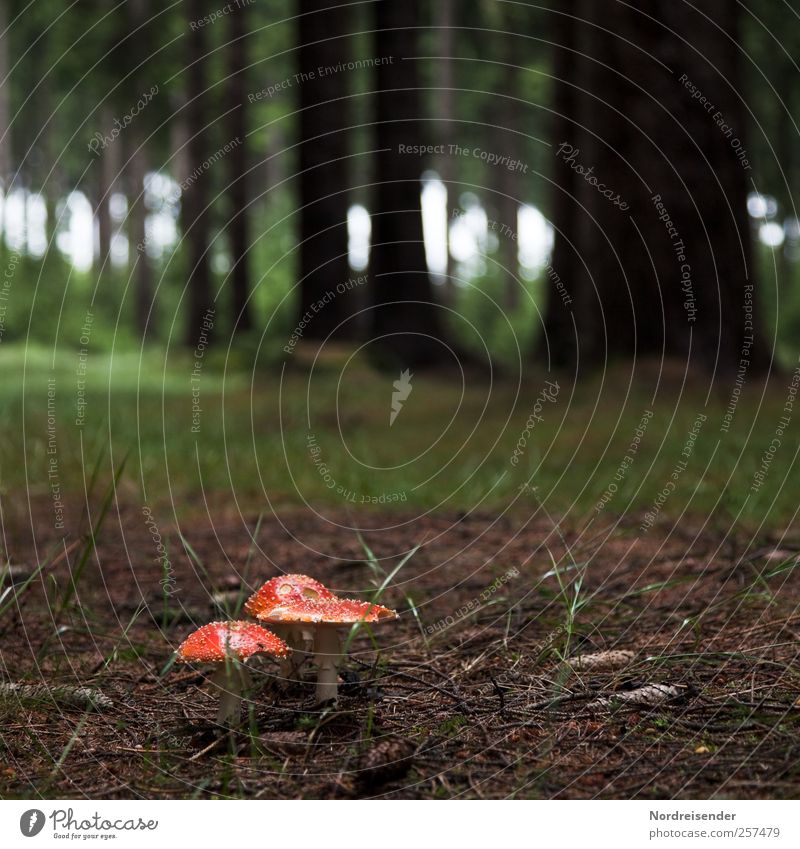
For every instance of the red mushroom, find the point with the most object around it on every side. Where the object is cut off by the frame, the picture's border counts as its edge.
(230, 645)
(285, 587)
(278, 592)
(324, 618)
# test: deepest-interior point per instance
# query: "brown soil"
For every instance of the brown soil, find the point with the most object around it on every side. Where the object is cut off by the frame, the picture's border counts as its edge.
(483, 708)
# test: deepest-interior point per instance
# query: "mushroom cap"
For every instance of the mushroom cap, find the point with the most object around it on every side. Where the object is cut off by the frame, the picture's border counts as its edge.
(334, 611)
(215, 642)
(278, 591)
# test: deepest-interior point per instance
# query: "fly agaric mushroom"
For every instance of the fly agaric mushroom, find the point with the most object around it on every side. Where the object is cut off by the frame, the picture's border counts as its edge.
(230, 644)
(278, 592)
(283, 588)
(324, 618)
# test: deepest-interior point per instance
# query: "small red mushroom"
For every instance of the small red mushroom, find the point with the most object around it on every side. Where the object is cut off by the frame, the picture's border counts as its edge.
(230, 645)
(281, 591)
(325, 617)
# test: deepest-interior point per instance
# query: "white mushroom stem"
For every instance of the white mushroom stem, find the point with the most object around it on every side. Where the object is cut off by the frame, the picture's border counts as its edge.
(327, 654)
(230, 679)
(286, 664)
(300, 641)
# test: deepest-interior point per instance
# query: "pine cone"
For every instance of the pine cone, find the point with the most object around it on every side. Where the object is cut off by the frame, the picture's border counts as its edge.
(387, 760)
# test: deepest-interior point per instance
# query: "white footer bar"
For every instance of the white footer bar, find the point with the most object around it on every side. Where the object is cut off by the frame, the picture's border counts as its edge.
(401, 825)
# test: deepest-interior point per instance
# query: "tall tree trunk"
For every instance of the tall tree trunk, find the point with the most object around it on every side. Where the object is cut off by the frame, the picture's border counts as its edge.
(195, 198)
(507, 231)
(136, 135)
(509, 183)
(657, 213)
(445, 103)
(137, 236)
(237, 171)
(557, 339)
(406, 321)
(5, 103)
(179, 139)
(274, 167)
(107, 174)
(323, 42)
(505, 121)
(103, 218)
(48, 173)
(785, 149)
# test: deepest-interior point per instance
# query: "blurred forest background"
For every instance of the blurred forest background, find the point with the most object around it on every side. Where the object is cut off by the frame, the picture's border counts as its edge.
(158, 158)
(524, 190)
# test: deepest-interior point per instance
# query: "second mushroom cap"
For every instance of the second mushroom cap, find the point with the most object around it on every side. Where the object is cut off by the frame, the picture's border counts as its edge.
(333, 611)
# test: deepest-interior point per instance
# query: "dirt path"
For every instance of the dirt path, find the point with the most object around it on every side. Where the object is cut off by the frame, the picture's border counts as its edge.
(466, 694)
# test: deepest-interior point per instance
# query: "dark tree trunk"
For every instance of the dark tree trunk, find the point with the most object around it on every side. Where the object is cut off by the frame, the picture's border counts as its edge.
(789, 182)
(5, 103)
(506, 227)
(445, 106)
(107, 175)
(507, 141)
(51, 184)
(237, 171)
(195, 197)
(324, 41)
(557, 341)
(137, 135)
(406, 323)
(140, 264)
(274, 168)
(179, 139)
(104, 228)
(641, 286)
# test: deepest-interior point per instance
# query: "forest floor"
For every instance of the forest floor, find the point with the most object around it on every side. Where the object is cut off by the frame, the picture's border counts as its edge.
(459, 442)
(475, 691)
